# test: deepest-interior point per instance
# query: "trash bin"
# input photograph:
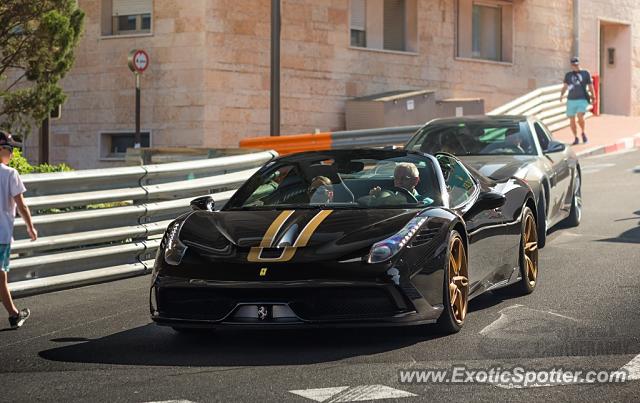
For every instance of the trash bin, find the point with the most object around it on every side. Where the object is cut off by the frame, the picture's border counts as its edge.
(390, 109)
(460, 107)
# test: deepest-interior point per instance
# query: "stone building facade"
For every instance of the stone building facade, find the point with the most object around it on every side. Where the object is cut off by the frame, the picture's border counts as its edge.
(208, 81)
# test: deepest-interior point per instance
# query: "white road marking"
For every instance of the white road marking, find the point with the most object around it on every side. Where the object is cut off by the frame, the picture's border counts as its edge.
(497, 324)
(352, 394)
(500, 323)
(633, 367)
(592, 168)
(319, 395)
(561, 316)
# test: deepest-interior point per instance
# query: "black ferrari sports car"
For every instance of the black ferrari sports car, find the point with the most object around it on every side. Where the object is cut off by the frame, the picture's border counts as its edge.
(502, 147)
(347, 238)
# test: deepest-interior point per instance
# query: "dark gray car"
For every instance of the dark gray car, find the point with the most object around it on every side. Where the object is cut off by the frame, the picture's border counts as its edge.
(512, 146)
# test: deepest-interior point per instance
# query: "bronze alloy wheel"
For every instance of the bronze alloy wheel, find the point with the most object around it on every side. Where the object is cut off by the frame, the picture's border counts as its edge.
(530, 246)
(459, 279)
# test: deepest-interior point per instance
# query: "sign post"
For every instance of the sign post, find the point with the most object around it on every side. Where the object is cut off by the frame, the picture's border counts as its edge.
(138, 62)
(275, 67)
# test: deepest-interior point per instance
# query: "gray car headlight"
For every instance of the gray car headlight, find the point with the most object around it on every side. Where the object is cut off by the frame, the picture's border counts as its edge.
(174, 249)
(388, 248)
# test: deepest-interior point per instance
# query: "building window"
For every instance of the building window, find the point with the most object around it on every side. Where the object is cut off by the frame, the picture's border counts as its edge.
(126, 17)
(145, 22)
(358, 23)
(395, 24)
(485, 30)
(384, 24)
(114, 145)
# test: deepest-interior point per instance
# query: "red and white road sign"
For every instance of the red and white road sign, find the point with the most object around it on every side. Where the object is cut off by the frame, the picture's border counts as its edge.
(138, 61)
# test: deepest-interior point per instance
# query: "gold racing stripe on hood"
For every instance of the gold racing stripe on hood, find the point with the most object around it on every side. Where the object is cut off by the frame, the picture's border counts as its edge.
(275, 226)
(288, 252)
(310, 228)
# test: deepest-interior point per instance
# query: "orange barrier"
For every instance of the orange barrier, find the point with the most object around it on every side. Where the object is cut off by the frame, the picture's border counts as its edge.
(596, 96)
(289, 144)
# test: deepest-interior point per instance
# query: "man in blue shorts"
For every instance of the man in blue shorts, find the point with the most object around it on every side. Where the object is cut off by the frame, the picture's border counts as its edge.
(576, 82)
(11, 190)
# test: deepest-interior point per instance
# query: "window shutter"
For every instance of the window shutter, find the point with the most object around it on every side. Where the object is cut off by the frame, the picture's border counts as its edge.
(132, 7)
(358, 15)
(487, 32)
(394, 24)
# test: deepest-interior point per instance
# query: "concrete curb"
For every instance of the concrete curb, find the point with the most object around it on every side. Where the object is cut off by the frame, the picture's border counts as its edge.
(625, 143)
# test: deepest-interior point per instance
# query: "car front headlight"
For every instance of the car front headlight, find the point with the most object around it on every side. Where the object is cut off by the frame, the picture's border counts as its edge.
(174, 249)
(388, 248)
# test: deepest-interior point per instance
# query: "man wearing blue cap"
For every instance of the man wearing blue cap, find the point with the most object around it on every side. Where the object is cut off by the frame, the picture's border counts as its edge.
(576, 82)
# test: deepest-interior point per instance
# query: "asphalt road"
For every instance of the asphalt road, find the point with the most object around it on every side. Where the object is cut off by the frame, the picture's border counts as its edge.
(97, 343)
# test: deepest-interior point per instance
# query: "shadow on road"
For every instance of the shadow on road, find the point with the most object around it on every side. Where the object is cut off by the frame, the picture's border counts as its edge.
(159, 346)
(490, 299)
(631, 235)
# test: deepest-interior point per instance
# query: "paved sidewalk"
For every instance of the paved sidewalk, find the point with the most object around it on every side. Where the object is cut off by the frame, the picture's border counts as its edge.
(606, 133)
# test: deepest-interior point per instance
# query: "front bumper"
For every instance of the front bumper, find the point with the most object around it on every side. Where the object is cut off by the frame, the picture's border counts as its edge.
(209, 304)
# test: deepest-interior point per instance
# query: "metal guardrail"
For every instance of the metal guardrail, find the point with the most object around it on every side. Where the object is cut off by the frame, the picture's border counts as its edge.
(81, 243)
(373, 137)
(543, 103)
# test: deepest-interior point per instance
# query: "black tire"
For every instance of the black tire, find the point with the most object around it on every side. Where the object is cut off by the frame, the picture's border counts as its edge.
(542, 219)
(527, 284)
(449, 322)
(575, 215)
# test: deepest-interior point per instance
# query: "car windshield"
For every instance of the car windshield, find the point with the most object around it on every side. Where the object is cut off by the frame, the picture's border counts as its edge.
(342, 180)
(500, 137)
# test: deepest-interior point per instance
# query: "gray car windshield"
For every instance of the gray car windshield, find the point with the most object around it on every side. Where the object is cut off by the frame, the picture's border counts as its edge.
(475, 138)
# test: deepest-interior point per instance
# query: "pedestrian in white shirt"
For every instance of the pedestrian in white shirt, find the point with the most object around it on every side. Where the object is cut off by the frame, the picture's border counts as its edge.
(11, 196)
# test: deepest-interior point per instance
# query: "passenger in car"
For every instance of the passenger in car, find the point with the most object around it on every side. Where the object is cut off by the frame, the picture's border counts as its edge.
(320, 190)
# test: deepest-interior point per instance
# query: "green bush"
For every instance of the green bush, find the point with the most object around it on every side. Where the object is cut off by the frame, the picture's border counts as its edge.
(20, 163)
(47, 168)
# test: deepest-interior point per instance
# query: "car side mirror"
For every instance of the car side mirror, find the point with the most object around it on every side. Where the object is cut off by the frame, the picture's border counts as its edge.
(205, 203)
(555, 147)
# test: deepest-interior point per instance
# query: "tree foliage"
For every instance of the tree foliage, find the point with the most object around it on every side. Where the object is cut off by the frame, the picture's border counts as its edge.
(20, 163)
(37, 42)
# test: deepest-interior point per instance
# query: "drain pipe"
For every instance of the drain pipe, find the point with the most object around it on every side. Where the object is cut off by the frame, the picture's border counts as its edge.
(576, 29)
